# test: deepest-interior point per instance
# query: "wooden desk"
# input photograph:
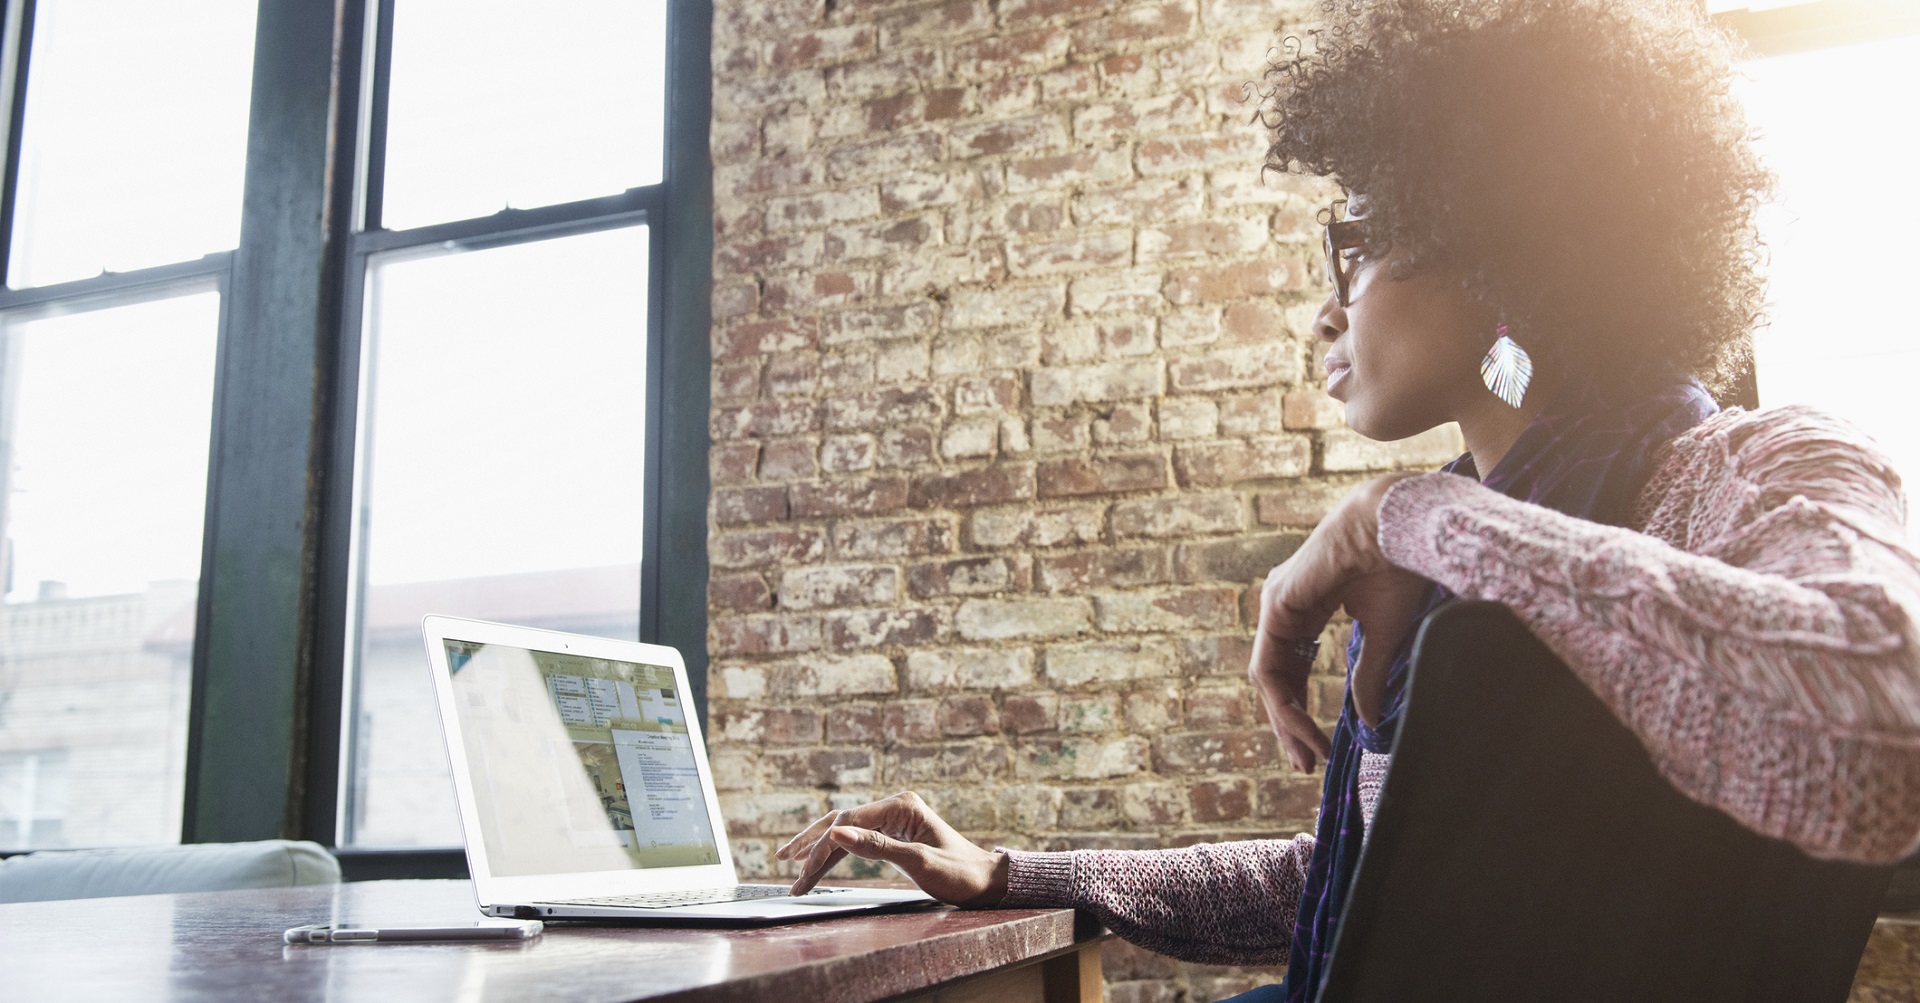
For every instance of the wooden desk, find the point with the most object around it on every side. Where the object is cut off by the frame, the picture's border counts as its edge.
(227, 945)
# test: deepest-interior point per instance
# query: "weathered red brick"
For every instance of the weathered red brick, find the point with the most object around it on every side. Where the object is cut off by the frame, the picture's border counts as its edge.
(1176, 610)
(1302, 503)
(1148, 23)
(1248, 323)
(1312, 409)
(763, 635)
(821, 46)
(968, 576)
(1236, 280)
(1027, 616)
(739, 593)
(1098, 166)
(737, 379)
(905, 447)
(906, 320)
(1189, 154)
(792, 375)
(878, 240)
(941, 22)
(853, 722)
(1215, 752)
(1076, 251)
(1221, 800)
(1031, 136)
(850, 496)
(1088, 758)
(787, 460)
(1037, 528)
(733, 462)
(1101, 569)
(1219, 464)
(870, 629)
(993, 485)
(1029, 713)
(846, 454)
(734, 506)
(1225, 655)
(821, 769)
(1103, 475)
(1246, 559)
(812, 291)
(1005, 54)
(882, 408)
(1285, 797)
(1147, 114)
(771, 726)
(911, 721)
(1206, 238)
(1188, 515)
(968, 715)
(875, 160)
(950, 762)
(893, 538)
(765, 547)
(844, 585)
(1236, 368)
(1218, 707)
(1024, 11)
(765, 419)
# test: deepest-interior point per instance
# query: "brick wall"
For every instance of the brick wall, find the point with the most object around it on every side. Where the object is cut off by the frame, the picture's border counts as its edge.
(1015, 402)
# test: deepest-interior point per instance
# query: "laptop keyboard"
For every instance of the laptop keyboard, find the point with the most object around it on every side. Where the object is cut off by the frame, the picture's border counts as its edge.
(697, 896)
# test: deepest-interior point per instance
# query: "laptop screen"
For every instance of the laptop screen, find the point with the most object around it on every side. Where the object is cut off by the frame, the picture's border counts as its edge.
(579, 764)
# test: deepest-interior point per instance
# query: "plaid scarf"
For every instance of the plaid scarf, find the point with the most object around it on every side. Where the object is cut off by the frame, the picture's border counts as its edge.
(1583, 457)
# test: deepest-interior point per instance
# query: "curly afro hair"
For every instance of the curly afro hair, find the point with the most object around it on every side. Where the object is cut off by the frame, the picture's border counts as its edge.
(1582, 166)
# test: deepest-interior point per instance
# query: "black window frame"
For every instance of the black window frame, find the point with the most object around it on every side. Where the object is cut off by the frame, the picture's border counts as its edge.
(269, 680)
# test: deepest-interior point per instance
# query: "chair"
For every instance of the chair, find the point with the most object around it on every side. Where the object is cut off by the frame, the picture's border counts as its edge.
(195, 867)
(1525, 848)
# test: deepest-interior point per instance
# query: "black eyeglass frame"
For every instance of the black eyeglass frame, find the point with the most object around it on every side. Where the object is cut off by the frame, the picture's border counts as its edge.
(1341, 235)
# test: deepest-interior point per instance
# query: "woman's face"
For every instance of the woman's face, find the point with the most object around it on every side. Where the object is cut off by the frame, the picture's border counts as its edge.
(1403, 355)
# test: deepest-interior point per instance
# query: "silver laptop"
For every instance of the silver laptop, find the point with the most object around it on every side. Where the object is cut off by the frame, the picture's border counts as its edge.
(583, 784)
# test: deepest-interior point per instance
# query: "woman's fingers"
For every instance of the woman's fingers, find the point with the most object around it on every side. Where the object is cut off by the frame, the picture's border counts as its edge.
(807, 839)
(817, 867)
(909, 857)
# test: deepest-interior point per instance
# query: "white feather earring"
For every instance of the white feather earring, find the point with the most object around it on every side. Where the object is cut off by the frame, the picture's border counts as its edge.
(1506, 369)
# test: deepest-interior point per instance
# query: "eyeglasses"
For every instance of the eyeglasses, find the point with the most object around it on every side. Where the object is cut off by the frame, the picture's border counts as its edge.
(1342, 235)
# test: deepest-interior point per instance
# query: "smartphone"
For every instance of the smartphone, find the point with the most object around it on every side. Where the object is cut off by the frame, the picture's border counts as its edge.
(321, 933)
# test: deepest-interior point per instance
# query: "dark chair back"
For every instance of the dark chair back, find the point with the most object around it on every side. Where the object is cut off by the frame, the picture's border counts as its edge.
(1525, 848)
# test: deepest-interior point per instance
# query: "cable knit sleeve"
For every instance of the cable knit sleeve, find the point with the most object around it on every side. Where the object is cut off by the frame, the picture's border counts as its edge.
(1216, 903)
(1760, 638)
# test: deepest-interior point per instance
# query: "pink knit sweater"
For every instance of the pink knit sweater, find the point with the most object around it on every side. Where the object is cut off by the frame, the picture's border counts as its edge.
(1758, 633)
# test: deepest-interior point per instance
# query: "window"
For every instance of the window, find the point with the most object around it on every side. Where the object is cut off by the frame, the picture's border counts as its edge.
(1838, 239)
(33, 799)
(123, 208)
(444, 350)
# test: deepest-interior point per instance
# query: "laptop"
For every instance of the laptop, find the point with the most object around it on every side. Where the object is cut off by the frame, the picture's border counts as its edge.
(584, 788)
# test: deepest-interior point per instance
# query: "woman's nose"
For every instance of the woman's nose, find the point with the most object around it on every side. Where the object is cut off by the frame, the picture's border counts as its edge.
(1331, 320)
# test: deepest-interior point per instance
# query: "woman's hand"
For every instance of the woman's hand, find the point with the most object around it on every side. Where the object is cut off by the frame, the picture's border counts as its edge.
(902, 831)
(1339, 565)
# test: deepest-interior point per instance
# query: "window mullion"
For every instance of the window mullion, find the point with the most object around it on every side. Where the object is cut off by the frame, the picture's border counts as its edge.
(250, 742)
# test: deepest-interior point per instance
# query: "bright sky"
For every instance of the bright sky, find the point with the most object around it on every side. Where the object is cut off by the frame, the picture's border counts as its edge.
(1842, 335)
(507, 429)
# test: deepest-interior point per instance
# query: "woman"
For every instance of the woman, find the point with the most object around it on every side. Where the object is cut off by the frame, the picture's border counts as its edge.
(1550, 241)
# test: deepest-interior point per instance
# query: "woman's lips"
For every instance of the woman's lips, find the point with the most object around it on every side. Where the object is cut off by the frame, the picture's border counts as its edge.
(1336, 373)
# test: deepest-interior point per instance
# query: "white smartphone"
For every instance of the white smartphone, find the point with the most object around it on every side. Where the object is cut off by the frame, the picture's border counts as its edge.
(321, 933)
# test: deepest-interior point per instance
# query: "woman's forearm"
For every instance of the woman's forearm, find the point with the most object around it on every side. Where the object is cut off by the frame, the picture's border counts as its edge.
(1219, 903)
(1772, 674)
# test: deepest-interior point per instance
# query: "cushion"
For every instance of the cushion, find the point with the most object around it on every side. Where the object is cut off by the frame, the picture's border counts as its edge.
(195, 867)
